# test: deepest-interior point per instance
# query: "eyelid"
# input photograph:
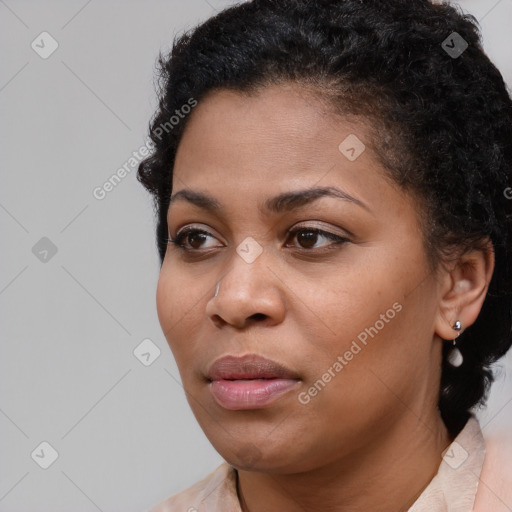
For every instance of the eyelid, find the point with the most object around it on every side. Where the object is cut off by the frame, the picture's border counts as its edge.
(321, 226)
(195, 227)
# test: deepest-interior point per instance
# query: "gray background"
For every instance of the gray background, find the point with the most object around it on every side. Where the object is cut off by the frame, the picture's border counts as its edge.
(124, 433)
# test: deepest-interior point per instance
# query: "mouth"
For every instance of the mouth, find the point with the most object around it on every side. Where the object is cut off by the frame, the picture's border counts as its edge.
(249, 382)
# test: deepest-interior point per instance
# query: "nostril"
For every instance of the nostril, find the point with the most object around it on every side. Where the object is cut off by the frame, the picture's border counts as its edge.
(259, 316)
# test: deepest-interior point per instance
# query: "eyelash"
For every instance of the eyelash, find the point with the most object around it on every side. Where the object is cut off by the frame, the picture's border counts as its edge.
(178, 240)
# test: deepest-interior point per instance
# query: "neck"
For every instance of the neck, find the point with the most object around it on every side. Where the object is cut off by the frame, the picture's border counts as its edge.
(391, 473)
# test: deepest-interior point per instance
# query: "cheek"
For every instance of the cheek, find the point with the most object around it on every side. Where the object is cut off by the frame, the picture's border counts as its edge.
(354, 299)
(175, 307)
(181, 312)
(171, 314)
(380, 355)
(364, 329)
(164, 301)
(370, 318)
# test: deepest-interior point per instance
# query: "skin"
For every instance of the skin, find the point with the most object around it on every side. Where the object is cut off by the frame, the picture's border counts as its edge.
(374, 430)
(494, 489)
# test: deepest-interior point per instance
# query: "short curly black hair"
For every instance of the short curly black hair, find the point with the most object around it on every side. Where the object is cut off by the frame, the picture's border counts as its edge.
(442, 119)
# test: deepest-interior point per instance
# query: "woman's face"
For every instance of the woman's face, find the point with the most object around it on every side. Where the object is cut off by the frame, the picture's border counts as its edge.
(333, 287)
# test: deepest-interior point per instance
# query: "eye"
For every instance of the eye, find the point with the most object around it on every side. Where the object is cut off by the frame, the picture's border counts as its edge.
(190, 239)
(308, 237)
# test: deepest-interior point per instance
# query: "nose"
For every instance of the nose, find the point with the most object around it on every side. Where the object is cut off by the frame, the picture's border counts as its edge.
(248, 293)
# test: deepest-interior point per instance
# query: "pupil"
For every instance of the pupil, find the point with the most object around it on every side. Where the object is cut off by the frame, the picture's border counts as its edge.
(307, 238)
(199, 238)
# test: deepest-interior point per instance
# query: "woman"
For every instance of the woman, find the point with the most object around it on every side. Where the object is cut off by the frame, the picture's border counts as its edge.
(334, 227)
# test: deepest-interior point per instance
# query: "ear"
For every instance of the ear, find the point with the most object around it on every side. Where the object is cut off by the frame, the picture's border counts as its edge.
(463, 290)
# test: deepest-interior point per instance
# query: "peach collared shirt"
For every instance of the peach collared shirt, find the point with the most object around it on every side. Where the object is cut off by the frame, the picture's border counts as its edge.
(458, 486)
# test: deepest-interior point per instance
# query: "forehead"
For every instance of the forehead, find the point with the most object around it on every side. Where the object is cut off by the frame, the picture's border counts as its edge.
(281, 129)
(276, 122)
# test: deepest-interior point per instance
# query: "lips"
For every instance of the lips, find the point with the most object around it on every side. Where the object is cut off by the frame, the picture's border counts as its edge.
(249, 382)
(248, 367)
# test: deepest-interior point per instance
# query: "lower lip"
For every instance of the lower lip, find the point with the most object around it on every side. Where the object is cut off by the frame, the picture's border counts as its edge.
(249, 394)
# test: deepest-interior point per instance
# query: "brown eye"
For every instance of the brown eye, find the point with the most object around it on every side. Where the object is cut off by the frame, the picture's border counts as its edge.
(308, 237)
(195, 239)
(191, 239)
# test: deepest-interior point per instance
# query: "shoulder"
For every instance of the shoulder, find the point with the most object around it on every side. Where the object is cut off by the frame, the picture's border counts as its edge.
(217, 491)
(495, 484)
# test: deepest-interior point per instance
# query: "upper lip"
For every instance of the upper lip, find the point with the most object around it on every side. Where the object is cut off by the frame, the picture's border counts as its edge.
(248, 367)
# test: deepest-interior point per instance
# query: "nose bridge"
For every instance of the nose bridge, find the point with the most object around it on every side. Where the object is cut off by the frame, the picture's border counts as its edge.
(247, 267)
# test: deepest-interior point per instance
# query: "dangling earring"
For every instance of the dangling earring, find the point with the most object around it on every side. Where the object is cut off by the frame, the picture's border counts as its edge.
(455, 356)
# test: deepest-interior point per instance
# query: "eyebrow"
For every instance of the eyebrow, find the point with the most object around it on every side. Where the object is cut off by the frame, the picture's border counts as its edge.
(281, 203)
